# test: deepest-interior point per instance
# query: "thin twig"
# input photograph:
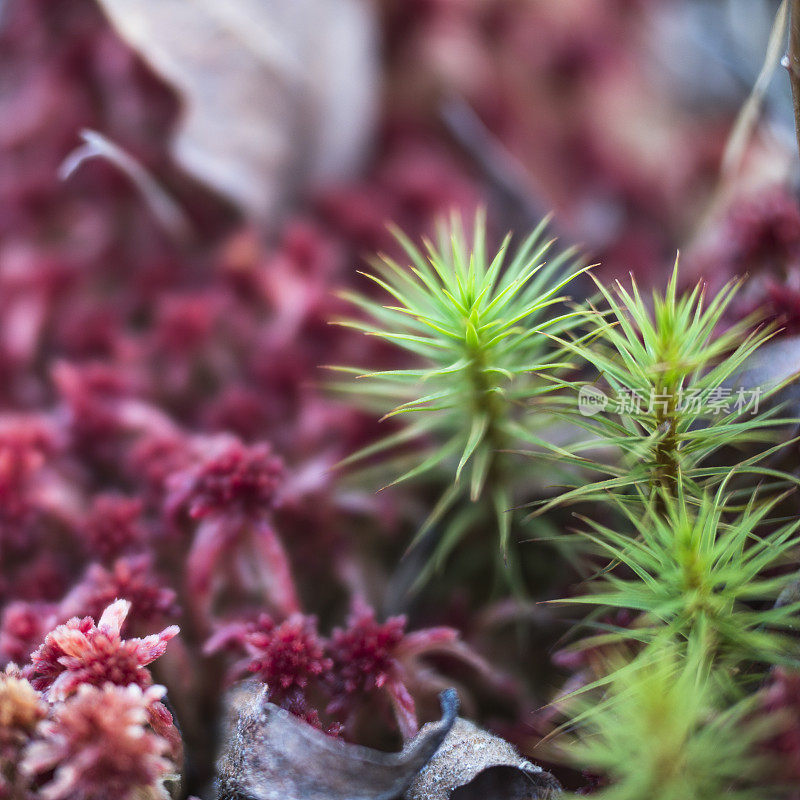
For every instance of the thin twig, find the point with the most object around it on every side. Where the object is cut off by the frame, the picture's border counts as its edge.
(165, 209)
(748, 118)
(792, 62)
(503, 171)
(751, 111)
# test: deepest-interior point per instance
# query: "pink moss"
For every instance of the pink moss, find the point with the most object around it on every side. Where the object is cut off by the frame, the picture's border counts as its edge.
(98, 746)
(81, 652)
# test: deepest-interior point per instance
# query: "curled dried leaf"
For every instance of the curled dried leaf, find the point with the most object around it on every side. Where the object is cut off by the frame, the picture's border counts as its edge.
(473, 764)
(272, 755)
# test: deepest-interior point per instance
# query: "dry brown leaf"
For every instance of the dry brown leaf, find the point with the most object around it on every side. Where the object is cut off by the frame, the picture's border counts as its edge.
(473, 764)
(276, 94)
(272, 755)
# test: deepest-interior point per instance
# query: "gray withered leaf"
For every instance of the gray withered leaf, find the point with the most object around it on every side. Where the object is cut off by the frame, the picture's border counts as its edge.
(473, 764)
(275, 94)
(272, 755)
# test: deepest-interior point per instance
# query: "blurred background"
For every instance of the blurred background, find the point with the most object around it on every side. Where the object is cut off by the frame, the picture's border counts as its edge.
(614, 114)
(185, 184)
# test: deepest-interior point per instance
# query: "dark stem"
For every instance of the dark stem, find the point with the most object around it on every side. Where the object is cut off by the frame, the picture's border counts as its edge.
(667, 449)
(494, 407)
(491, 404)
(666, 472)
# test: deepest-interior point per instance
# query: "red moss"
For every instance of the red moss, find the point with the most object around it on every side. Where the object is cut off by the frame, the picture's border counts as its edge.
(364, 651)
(764, 232)
(290, 658)
(98, 746)
(132, 579)
(92, 394)
(80, 652)
(156, 457)
(235, 479)
(239, 410)
(112, 527)
(365, 660)
(185, 323)
(23, 627)
(23, 450)
(782, 697)
(287, 657)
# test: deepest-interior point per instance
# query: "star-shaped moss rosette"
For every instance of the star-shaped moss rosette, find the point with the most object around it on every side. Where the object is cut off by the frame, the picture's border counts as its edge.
(479, 333)
(662, 731)
(82, 652)
(697, 572)
(667, 370)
